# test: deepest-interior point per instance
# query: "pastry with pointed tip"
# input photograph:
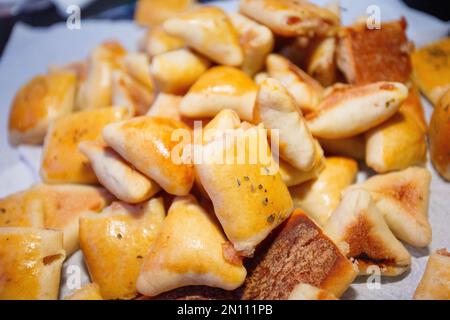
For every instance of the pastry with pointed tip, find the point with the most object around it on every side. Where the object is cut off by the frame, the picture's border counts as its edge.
(31, 261)
(320, 197)
(220, 88)
(116, 175)
(37, 103)
(321, 62)
(306, 91)
(189, 251)
(158, 41)
(256, 41)
(163, 141)
(248, 195)
(90, 291)
(352, 110)
(291, 18)
(209, 31)
(435, 282)
(175, 71)
(277, 110)
(402, 197)
(62, 162)
(304, 291)
(115, 242)
(166, 106)
(298, 252)
(358, 224)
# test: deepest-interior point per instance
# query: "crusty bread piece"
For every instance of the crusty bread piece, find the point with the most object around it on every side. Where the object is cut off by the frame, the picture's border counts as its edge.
(154, 12)
(298, 252)
(158, 41)
(166, 106)
(22, 209)
(370, 55)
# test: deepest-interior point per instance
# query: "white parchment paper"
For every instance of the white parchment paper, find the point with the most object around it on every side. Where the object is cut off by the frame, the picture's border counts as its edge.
(31, 50)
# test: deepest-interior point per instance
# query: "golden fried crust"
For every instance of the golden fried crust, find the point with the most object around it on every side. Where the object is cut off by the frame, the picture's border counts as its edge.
(90, 291)
(309, 256)
(115, 242)
(37, 103)
(162, 145)
(439, 136)
(62, 162)
(435, 283)
(30, 263)
(153, 12)
(367, 56)
(22, 209)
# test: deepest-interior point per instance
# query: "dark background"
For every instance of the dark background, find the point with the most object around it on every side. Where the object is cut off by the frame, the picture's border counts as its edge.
(124, 9)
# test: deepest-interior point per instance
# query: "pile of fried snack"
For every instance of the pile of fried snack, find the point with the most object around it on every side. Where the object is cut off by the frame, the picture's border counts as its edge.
(299, 228)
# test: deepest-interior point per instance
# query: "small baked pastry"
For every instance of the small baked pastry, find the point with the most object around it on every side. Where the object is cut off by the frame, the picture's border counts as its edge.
(175, 71)
(435, 282)
(157, 41)
(248, 195)
(37, 103)
(320, 197)
(137, 65)
(305, 291)
(279, 113)
(115, 242)
(22, 209)
(166, 106)
(220, 88)
(163, 159)
(95, 91)
(31, 260)
(154, 12)
(358, 225)
(299, 253)
(402, 197)
(62, 162)
(291, 18)
(406, 131)
(430, 69)
(352, 147)
(256, 41)
(116, 175)
(90, 291)
(321, 60)
(350, 111)
(362, 64)
(190, 250)
(306, 91)
(439, 137)
(209, 31)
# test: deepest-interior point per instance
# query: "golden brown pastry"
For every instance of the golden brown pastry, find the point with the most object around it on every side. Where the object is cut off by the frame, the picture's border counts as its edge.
(166, 106)
(95, 91)
(256, 41)
(137, 65)
(405, 131)
(30, 263)
(90, 291)
(306, 91)
(279, 113)
(115, 243)
(37, 103)
(220, 88)
(321, 61)
(430, 69)
(116, 175)
(157, 41)
(162, 160)
(62, 162)
(358, 225)
(305, 291)
(299, 253)
(439, 137)
(320, 197)
(154, 12)
(353, 147)
(291, 18)
(350, 111)
(22, 209)
(175, 71)
(249, 197)
(369, 55)
(402, 197)
(190, 250)
(435, 282)
(209, 31)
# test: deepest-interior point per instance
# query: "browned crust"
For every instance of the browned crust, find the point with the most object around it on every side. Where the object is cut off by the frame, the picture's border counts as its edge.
(299, 253)
(376, 55)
